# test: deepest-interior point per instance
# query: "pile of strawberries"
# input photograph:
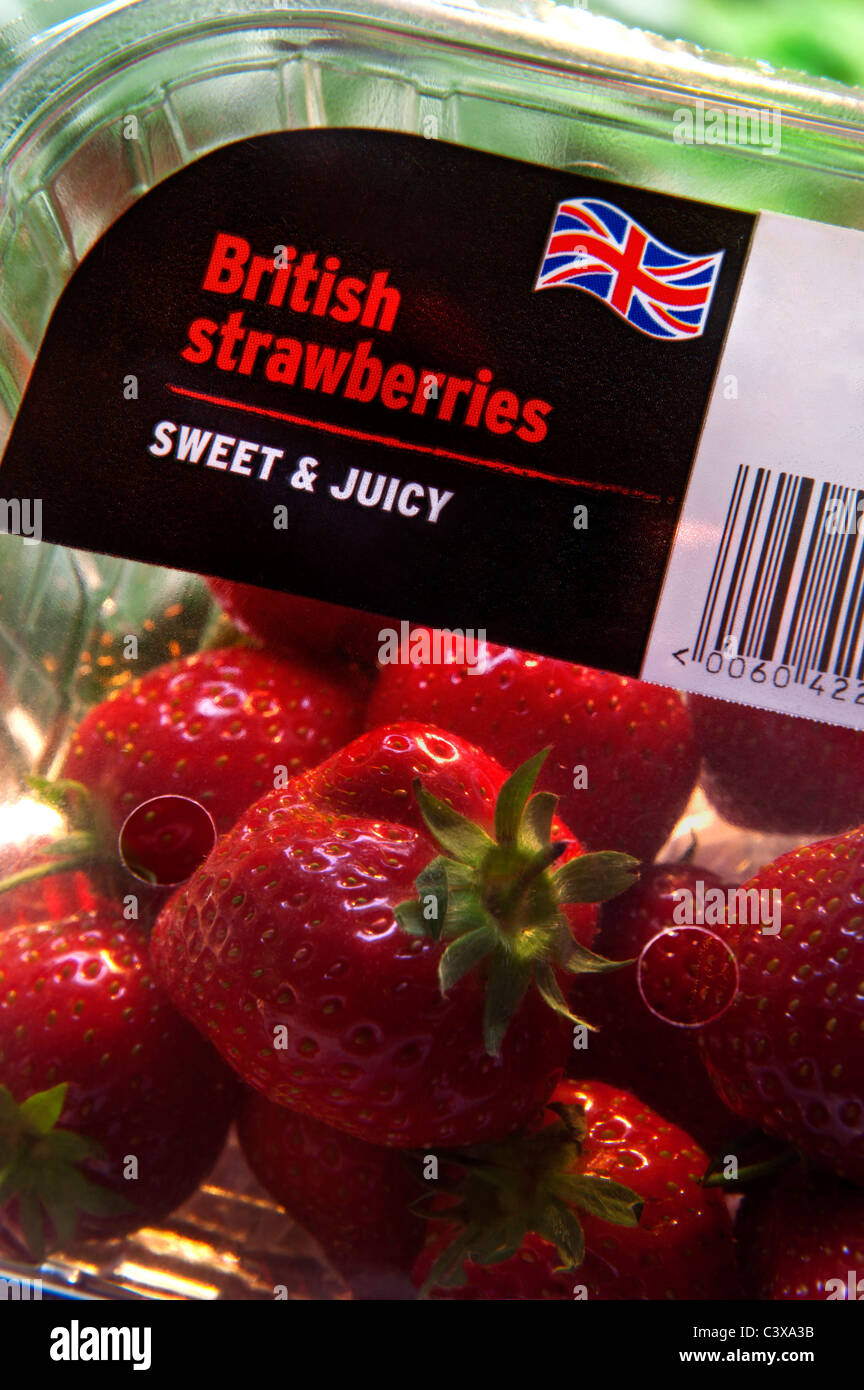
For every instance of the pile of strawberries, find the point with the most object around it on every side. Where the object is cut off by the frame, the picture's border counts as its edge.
(407, 969)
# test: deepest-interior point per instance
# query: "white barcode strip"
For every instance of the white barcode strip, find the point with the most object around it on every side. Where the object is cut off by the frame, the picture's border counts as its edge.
(787, 582)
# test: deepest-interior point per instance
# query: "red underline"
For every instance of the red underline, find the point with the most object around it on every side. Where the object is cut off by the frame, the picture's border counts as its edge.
(418, 448)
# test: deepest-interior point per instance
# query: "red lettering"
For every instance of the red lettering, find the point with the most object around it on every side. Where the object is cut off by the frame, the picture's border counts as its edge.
(397, 386)
(365, 375)
(224, 273)
(533, 413)
(200, 348)
(501, 410)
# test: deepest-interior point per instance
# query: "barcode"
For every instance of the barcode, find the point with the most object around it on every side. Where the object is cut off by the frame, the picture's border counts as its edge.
(787, 583)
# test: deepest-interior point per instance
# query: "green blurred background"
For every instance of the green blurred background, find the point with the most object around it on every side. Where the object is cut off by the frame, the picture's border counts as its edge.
(824, 38)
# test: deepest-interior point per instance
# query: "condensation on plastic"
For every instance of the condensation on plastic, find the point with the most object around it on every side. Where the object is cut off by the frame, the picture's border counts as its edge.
(66, 618)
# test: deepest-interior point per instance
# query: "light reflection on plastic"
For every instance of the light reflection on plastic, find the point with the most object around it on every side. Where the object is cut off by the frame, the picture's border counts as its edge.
(28, 819)
(25, 731)
(166, 1280)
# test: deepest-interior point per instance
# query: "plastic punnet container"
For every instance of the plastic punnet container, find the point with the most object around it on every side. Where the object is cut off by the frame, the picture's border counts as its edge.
(537, 335)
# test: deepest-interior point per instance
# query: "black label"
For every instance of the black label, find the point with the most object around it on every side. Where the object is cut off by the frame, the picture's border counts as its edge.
(320, 361)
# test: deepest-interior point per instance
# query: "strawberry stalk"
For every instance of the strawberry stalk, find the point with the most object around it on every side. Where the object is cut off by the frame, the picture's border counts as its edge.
(762, 1165)
(87, 846)
(526, 1184)
(497, 900)
(75, 851)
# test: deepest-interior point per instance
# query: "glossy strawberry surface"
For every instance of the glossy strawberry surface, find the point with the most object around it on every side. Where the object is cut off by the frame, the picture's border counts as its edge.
(681, 1247)
(633, 742)
(353, 1197)
(284, 950)
(215, 727)
(79, 1004)
(788, 1055)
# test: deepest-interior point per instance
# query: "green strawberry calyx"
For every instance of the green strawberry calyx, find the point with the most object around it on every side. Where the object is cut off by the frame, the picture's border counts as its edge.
(497, 1194)
(498, 901)
(40, 1171)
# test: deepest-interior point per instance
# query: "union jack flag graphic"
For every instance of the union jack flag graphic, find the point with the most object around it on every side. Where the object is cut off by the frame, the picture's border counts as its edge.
(597, 248)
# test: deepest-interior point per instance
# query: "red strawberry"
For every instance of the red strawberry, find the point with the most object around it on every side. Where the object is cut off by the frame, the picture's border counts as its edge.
(47, 899)
(777, 773)
(84, 1028)
(213, 727)
(672, 1238)
(306, 624)
(353, 1197)
(634, 1048)
(788, 1055)
(633, 739)
(296, 950)
(802, 1237)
